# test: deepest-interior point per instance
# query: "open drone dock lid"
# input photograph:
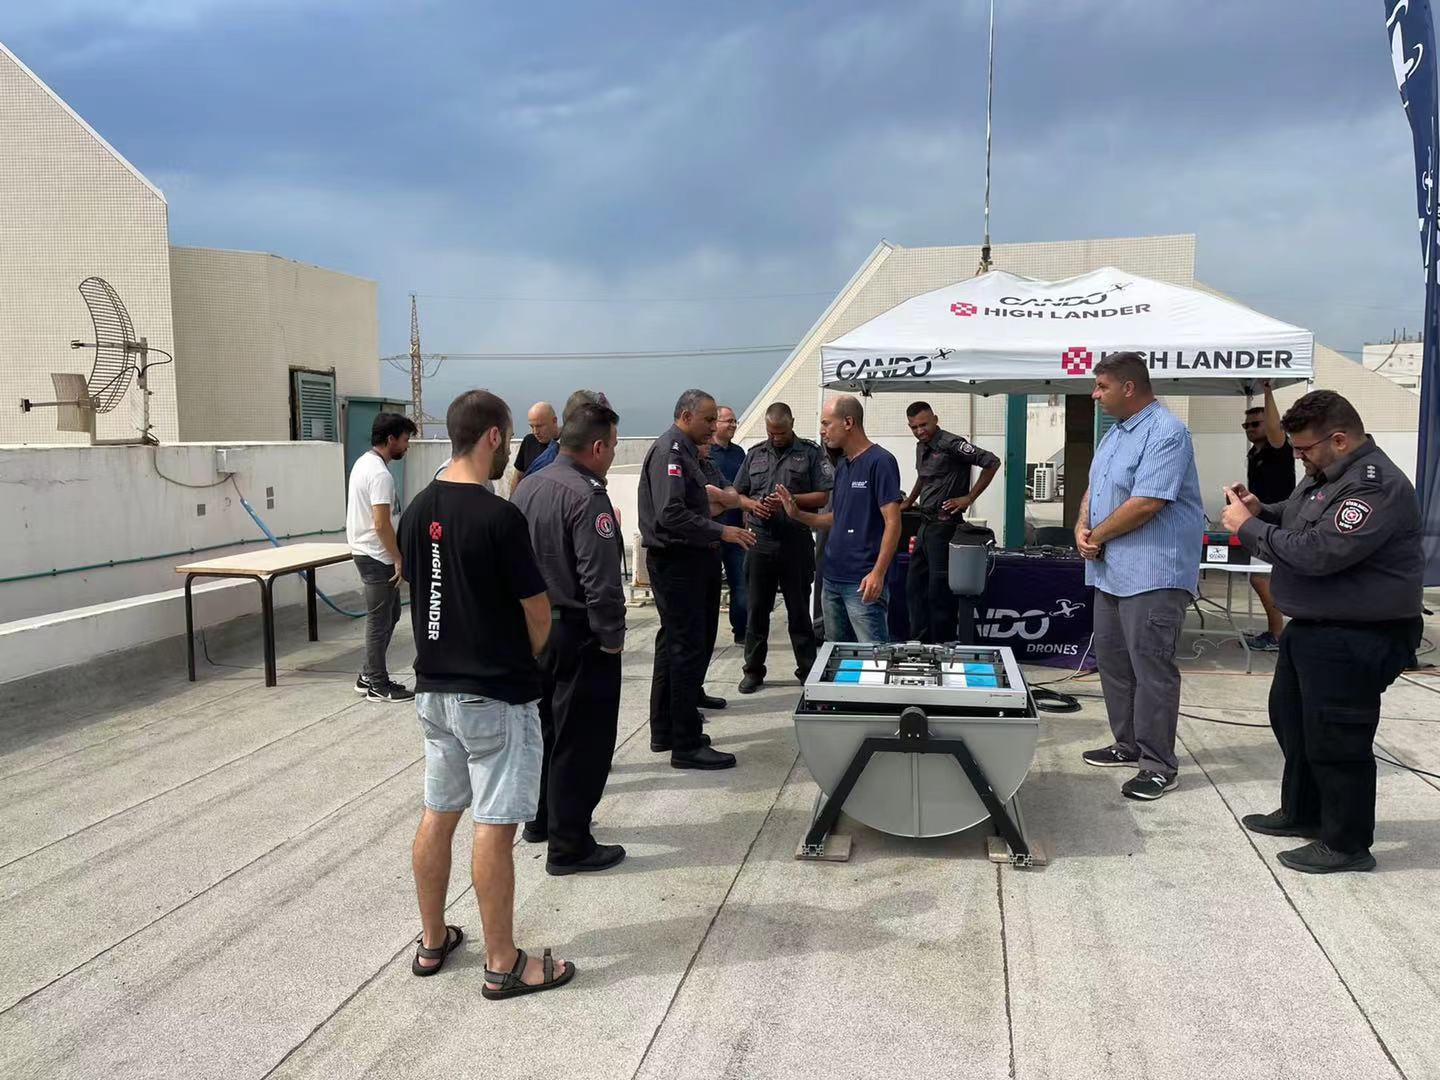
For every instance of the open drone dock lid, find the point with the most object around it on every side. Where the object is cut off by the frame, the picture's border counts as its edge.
(1000, 333)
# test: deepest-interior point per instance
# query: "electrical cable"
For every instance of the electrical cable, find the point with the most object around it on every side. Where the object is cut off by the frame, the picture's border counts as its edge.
(271, 537)
(155, 464)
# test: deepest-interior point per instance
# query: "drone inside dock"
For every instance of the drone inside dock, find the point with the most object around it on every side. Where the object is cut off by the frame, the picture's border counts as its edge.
(917, 740)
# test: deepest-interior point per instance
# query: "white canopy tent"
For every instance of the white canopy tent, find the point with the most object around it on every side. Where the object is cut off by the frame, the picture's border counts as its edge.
(1000, 333)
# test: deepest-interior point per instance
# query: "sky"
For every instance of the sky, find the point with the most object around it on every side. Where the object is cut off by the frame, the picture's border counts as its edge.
(584, 178)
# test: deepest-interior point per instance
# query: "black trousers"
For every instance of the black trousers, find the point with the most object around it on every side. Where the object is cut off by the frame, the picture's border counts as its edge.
(1324, 709)
(712, 615)
(790, 568)
(686, 584)
(579, 715)
(936, 613)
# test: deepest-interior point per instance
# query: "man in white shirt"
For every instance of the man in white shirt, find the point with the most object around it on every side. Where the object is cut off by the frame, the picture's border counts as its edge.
(370, 531)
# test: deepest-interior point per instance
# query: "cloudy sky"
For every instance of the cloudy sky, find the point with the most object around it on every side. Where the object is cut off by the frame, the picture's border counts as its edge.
(573, 177)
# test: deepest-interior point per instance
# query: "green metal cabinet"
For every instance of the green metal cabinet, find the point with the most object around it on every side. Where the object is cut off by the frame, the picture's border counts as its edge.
(360, 413)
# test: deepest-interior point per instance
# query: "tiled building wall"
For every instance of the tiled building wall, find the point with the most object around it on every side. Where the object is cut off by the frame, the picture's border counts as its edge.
(70, 208)
(244, 319)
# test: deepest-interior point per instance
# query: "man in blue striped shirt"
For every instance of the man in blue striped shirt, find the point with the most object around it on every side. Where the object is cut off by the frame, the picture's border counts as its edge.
(1140, 528)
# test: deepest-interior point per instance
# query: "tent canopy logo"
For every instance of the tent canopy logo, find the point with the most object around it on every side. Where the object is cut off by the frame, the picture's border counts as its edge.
(1076, 360)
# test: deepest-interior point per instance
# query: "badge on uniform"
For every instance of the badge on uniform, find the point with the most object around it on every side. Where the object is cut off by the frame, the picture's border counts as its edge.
(605, 526)
(673, 469)
(1351, 515)
(1371, 473)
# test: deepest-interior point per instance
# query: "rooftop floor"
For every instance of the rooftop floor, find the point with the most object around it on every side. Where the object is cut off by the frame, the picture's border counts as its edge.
(213, 880)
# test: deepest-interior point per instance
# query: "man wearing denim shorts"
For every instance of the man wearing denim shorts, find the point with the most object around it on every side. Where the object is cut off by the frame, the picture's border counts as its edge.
(481, 617)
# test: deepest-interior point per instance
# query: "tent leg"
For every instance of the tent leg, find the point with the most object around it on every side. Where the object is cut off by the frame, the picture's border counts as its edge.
(1015, 421)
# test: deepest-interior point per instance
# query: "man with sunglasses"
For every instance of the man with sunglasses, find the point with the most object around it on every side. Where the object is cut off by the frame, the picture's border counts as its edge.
(1270, 476)
(1346, 551)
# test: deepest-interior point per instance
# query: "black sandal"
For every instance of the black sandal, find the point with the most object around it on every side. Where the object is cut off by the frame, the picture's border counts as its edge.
(451, 944)
(511, 984)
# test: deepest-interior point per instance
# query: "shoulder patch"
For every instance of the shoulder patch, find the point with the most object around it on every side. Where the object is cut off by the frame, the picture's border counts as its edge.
(1351, 515)
(1372, 473)
(605, 526)
(674, 469)
(674, 446)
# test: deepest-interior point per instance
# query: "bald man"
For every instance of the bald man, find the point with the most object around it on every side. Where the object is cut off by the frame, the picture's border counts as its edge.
(544, 429)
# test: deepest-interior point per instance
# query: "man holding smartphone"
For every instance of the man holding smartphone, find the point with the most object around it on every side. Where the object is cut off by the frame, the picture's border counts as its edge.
(784, 555)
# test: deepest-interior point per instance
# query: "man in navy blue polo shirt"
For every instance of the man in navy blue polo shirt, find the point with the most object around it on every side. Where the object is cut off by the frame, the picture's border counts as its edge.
(864, 524)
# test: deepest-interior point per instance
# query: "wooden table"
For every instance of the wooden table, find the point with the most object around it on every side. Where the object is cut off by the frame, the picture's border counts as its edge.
(263, 566)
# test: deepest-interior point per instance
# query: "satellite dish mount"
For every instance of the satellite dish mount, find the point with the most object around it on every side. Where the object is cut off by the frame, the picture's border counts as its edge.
(120, 356)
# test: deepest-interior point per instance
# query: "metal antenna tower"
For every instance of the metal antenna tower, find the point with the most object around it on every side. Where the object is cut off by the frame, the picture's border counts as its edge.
(417, 366)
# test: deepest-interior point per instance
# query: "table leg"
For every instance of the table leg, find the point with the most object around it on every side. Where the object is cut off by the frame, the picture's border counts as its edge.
(267, 617)
(310, 613)
(189, 627)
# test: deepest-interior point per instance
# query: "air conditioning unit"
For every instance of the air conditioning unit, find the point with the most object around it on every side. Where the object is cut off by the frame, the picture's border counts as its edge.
(1043, 482)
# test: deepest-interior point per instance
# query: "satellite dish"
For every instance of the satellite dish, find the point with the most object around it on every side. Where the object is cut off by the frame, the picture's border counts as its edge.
(119, 357)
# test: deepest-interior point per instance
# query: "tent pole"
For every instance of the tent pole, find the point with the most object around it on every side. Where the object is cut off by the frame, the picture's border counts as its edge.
(985, 263)
(1015, 420)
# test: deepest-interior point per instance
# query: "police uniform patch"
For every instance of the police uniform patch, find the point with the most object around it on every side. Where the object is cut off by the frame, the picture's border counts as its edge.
(673, 469)
(1371, 473)
(1351, 515)
(605, 526)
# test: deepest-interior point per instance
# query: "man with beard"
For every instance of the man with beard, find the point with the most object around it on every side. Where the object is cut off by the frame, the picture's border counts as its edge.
(1348, 564)
(481, 616)
(370, 532)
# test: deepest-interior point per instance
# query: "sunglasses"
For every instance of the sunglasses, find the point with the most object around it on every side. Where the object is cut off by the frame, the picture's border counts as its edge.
(1248, 424)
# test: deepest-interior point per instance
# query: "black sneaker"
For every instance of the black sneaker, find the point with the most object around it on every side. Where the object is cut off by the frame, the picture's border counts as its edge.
(739, 639)
(704, 757)
(659, 747)
(1108, 758)
(1277, 824)
(1148, 785)
(1319, 858)
(602, 858)
(710, 701)
(534, 833)
(362, 684)
(390, 691)
(750, 683)
(801, 674)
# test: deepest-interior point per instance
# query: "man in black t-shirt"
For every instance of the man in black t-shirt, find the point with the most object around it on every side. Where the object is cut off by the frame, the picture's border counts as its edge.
(1270, 474)
(481, 616)
(544, 429)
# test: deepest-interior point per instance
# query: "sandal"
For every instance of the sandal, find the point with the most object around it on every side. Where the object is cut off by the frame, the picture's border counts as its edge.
(452, 942)
(511, 984)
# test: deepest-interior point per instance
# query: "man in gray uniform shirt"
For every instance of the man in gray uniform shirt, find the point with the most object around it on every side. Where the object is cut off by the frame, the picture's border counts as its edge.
(1348, 565)
(577, 547)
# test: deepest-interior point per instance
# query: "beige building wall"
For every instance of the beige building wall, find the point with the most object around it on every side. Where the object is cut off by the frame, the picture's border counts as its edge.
(244, 320)
(72, 207)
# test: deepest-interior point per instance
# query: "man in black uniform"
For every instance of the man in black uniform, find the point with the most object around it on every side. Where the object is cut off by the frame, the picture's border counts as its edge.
(677, 531)
(784, 554)
(1270, 476)
(1347, 557)
(577, 546)
(942, 493)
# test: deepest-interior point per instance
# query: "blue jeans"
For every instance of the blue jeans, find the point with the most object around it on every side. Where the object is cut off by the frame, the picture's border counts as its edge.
(848, 618)
(732, 557)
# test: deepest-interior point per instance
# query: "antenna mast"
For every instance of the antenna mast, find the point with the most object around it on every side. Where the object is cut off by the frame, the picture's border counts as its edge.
(417, 368)
(985, 264)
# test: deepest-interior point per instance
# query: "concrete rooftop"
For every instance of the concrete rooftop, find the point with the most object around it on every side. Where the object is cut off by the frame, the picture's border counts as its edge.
(213, 880)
